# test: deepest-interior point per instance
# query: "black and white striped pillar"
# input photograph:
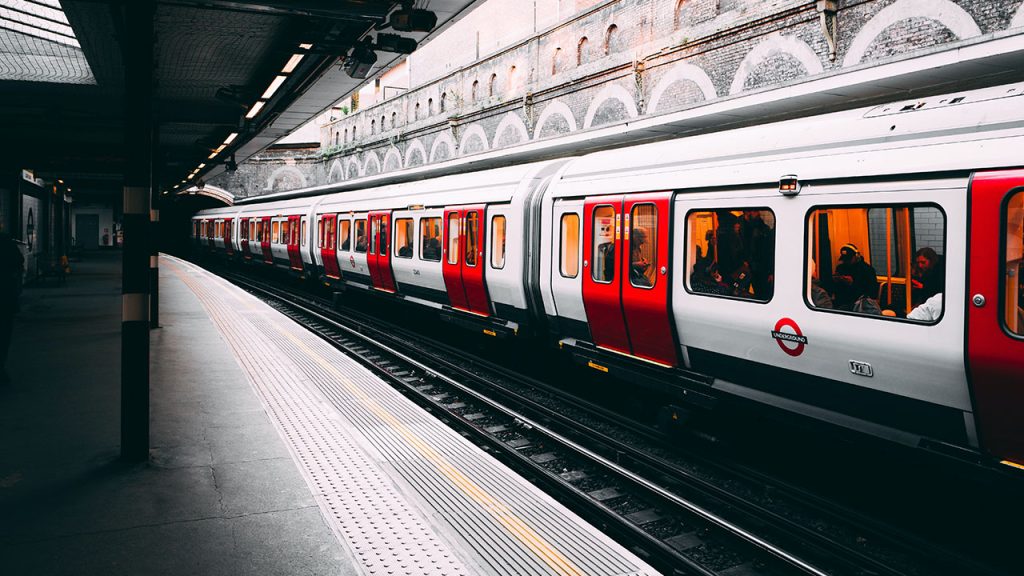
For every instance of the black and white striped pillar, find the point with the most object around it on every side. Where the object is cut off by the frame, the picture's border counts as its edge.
(137, 54)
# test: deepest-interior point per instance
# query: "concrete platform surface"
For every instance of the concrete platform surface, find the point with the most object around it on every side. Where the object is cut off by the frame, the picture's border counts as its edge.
(220, 495)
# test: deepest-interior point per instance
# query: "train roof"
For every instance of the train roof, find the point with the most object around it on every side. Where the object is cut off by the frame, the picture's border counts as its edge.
(488, 186)
(959, 132)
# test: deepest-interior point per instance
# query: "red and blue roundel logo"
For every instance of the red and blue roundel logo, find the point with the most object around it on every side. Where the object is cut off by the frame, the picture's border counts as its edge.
(791, 341)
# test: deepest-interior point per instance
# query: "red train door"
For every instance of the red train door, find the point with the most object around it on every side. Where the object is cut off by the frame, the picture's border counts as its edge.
(243, 233)
(645, 277)
(268, 257)
(378, 257)
(626, 284)
(995, 334)
(210, 227)
(326, 237)
(451, 259)
(229, 247)
(294, 232)
(463, 259)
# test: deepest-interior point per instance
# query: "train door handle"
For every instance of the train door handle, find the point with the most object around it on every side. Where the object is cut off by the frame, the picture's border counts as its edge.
(978, 300)
(586, 263)
(663, 270)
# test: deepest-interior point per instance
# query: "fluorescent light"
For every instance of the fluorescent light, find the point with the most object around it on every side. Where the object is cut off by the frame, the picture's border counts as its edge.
(273, 87)
(190, 176)
(292, 63)
(231, 138)
(203, 165)
(305, 46)
(212, 156)
(255, 110)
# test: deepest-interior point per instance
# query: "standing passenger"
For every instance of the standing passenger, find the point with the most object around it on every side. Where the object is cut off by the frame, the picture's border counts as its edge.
(853, 279)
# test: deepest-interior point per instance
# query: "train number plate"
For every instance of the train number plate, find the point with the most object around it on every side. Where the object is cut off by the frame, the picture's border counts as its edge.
(861, 368)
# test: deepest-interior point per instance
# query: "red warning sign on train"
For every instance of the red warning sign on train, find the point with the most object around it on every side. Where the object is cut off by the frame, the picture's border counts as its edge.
(791, 341)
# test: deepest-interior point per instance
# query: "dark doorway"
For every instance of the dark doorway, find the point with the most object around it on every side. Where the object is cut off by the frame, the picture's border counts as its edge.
(87, 231)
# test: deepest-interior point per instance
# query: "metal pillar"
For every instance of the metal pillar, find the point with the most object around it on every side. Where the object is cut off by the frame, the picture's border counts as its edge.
(137, 54)
(154, 232)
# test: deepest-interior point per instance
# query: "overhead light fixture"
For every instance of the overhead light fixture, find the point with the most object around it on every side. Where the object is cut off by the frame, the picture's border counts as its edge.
(59, 181)
(255, 110)
(409, 19)
(190, 176)
(231, 138)
(202, 165)
(289, 67)
(395, 43)
(359, 63)
(306, 46)
(274, 85)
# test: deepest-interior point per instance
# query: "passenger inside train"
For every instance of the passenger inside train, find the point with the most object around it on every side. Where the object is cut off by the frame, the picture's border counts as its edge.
(1014, 250)
(430, 243)
(733, 251)
(878, 260)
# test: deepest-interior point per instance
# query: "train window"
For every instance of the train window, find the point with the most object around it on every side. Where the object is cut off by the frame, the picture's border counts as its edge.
(275, 234)
(570, 252)
(498, 242)
(730, 252)
(344, 235)
(304, 232)
(643, 244)
(252, 230)
(604, 245)
(332, 233)
(286, 232)
(361, 236)
(453, 238)
(881, 260)
(383, 237)
(472, 236)
(430, 239)
(320, 233)
(1013, 295)
(404, 232)
(373, 235)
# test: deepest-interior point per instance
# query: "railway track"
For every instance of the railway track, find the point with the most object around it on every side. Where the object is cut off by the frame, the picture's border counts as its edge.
(684, 518)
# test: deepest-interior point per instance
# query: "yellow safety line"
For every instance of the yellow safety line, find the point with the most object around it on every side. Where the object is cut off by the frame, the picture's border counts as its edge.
(499, 510)
(558, 562)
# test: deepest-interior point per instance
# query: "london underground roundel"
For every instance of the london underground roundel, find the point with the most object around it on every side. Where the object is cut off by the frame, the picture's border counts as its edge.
(788, 336)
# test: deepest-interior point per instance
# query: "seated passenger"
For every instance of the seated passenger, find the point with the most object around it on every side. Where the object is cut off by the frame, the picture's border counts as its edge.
(929, 276)
(405, 251)
(639, 267)
(854, 280)
(431, 249)
(345, 244)
(929, 311)
(361, 243)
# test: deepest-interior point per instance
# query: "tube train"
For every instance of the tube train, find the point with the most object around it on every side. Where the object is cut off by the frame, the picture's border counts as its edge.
(860, 268)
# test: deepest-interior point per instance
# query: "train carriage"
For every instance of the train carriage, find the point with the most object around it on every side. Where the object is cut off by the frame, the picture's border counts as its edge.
(860, 268)
(712, 314)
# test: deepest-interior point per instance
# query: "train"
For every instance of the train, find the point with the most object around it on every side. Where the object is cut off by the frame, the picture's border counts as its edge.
(860, 268)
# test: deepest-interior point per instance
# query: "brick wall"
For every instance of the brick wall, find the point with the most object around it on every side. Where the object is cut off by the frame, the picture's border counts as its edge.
(527, 77)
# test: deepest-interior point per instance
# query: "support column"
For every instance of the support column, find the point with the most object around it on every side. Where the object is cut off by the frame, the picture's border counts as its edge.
(137, 54)
(154, 232)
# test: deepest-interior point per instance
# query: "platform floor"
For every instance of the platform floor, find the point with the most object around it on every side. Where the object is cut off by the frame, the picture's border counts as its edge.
(272, 453)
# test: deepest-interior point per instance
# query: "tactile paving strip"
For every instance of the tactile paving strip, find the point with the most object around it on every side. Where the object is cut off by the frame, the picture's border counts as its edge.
(345, 426)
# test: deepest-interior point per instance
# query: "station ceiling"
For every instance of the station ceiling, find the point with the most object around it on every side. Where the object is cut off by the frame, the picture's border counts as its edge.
(62, 103)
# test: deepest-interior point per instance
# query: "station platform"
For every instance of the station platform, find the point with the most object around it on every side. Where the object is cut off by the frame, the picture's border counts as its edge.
(271, 453)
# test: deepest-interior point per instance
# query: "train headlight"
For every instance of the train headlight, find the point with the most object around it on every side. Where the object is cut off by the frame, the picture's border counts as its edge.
(789, 185)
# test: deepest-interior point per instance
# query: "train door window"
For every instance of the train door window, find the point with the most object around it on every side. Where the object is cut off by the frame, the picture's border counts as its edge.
(498, 242)
(320, 237)
(1013, 284)
(383, 237)
(472, 234)
(332, 233)
(731, 252)
(643, 243)
(604, 245)
(373, 235)
(885, 261)
(286, 232)
(252, 231)
(569, 265)
(404, 232)
(453, 238)
(430, 239)
(275, 232)
(344, 235)
(304, 232)
(361, 236)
